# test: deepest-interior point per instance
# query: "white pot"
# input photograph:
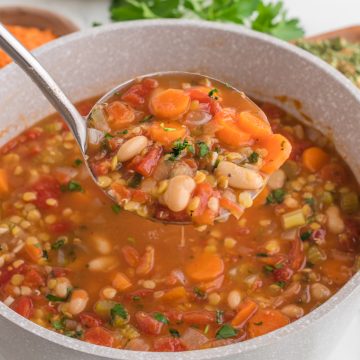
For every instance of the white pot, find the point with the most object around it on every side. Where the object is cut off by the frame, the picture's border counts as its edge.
(89, 63)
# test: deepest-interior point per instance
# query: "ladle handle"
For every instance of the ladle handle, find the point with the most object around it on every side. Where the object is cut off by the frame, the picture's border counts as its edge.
(45, 83)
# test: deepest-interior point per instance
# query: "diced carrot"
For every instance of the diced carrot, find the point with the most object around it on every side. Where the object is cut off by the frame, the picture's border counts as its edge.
(167, 133)
(176, 293)
(253, 124)
(4, 184)
(232, 207)
(261, 198)
(203, 215)
(205, 266)
(120, 115)
(278, 148)
(314, 158)
(169, 104)
(140, 196)
(336, 271)
(212, 285)
(34, 249)
(121, 192)
(245, 311)
(230, 133)
(266, 320)
(121, 282)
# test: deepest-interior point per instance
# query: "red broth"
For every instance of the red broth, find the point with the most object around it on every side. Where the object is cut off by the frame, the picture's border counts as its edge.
(74, 262)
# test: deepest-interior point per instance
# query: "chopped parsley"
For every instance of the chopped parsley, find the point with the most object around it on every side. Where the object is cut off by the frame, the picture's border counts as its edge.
(310, 201)
(276, 196)
(174, 333)
(258, 323)
(116, 208)
(58, 324)
(253, 158)
(136, 298)
(108, 136)
(168, 129)
(203, 149)
(199, 293)
(305, 235)
(78, 162)
(146, 119)
(225, 332)
(72, 186)
(118, 310)
(54, 298)
(213, 93)
(135, 181)
(281, 284)
(262, 255)
(178, 147)
(59, 243)
(268, 269)
(161, 317)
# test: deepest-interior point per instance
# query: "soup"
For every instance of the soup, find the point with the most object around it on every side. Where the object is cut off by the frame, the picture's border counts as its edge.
(76, 263)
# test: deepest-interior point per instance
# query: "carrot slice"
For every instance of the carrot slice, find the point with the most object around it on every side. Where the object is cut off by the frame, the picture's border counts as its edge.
(167, 133)
(176, 293)
(314, 158)
(120, 115)
(232, 207)
(254, 125)
(205, 266)
(230, 133)
(278, 148)
(121, 282)
(170, 103)
(266, 320)
(246, 310)
(4, 184)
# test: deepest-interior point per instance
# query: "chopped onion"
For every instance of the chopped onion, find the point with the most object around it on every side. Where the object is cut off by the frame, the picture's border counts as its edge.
(67, 171)
(98, 119)
(197, 118)
(95, 136)
(193, 339)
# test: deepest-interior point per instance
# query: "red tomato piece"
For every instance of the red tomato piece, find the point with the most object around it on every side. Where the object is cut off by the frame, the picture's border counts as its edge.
(283, 274)
(90, 320)
(203, 215)
(147, 324)
(100, 167)
(24, 306)
(99, 336)
(148, 163)
(46, 188)
(199, 317)
(34, 278)
(61, 227)
(168, 344)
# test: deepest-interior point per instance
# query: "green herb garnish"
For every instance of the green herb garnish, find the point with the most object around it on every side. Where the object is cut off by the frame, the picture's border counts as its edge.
(258, 323)
(108, 136)
(72, 186)
(253, 158)
(59, 243)
(146, 119)
(305, 235)
(78, 162)
(225, 332)
(281, 284)
(178, 147)
(174, 333)
(262, 255)
(203, 149)
(116, 208)
(269, 18)
(199, 293)
(276, 196)
(168, 129)
(161, 317)
(118, 310)
(212, 93)
(58, 324)
(54, 298)
(135, 181)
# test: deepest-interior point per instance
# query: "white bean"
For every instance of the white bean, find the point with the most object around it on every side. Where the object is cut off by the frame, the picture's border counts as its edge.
(103, 263)
(234, 299)
(178, 192)
(102, 244)
(78, 302)
(293, 311)
(320, 291)
(132, 147)
(277, 180)
(62, 287)
(239, 177)
(335, 223)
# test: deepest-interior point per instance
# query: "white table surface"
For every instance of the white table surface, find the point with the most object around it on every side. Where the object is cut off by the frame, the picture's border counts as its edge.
(317, 16)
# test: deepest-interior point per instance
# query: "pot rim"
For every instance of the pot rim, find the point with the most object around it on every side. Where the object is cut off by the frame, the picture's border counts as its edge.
(214, 353)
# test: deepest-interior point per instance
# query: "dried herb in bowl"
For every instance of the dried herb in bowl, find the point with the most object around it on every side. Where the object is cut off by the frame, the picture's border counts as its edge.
(338, 52)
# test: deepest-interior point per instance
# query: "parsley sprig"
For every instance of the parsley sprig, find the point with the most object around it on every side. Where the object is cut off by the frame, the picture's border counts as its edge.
(270, 18)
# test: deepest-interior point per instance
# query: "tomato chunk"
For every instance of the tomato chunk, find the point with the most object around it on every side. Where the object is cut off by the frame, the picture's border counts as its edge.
(24, 306)
(99, 336)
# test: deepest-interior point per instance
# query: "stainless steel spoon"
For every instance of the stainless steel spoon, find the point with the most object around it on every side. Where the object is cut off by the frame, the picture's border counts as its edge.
(76, 122)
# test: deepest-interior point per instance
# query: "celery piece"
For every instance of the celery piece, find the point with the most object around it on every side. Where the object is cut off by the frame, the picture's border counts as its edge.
(349, 202)
(315, 255)
(293, 219)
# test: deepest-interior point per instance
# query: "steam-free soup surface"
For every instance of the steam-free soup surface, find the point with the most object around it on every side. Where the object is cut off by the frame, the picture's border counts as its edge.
(74, 262)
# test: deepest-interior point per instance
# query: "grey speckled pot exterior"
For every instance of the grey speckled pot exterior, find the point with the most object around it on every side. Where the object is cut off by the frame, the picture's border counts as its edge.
(89, 63)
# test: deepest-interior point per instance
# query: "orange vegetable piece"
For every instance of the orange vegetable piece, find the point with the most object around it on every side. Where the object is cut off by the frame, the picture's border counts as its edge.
(334, 172)
(147, 261)
(261, 198)
(167, 133)
(253, 124)
(205, 266)
(4, 184)
(230, 133)
(336, 270)
(169, 104)
(246, 310)
(278, 148)
(266, 320)
(120, 115)
(121, 282)
(314, 158)
(34, 249)
(232, 207)
(176, 293)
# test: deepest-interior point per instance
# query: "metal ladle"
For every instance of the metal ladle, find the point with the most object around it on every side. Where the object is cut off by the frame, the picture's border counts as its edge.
(76, 122)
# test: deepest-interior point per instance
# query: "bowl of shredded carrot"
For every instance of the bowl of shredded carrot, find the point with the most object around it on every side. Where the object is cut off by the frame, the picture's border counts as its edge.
(33, 27)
